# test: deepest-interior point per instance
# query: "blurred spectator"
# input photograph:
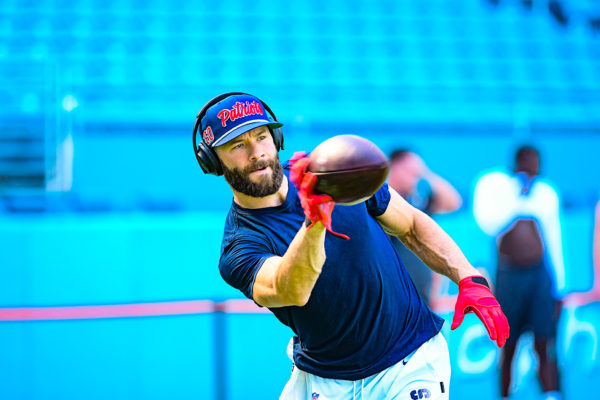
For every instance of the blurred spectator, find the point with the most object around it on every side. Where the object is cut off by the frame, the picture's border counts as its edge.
(430, 193)
(580, 11)
(564, 12)
(522, 211)
(595, 292)
(423, 189)
(557, 10)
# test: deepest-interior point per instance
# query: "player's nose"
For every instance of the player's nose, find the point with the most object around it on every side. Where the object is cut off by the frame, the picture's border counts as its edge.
(256, 152)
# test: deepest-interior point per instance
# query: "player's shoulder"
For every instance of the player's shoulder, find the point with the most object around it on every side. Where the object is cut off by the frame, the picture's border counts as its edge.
(238, 224)
(237, 242)
(546, 187)
(495, 178)
(236, 227)
(493, 175)
(232, 221)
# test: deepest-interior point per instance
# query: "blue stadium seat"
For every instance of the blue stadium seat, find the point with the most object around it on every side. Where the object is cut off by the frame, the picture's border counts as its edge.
(418, 46)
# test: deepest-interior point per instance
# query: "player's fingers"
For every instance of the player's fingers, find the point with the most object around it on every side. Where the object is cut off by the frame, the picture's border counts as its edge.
(310, 213)
(501, 340)
(323, 199)
(503, 326)
(500, 323)
(297, 156)
(297, 170)
(325, 207)
(488, 321)
(317, 207)
(459, 315)
(308, 182)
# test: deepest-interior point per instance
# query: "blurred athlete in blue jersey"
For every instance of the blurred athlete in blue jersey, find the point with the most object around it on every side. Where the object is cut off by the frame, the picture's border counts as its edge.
(361, 329)
(426, 191)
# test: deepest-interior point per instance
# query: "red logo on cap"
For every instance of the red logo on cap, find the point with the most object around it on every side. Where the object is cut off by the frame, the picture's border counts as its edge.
(239, 110)
(208, 135)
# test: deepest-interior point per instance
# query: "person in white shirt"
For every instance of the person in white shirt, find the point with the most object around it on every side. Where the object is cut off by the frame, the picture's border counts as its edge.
(521, 210)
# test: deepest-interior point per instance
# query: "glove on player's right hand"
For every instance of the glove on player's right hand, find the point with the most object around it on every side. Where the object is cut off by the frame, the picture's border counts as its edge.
(317, 207)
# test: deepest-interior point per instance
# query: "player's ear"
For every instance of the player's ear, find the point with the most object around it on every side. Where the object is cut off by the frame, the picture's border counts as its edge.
(218, 151)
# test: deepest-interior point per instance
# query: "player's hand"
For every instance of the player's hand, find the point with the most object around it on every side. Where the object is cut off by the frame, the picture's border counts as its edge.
(317, 207)
(474, 295)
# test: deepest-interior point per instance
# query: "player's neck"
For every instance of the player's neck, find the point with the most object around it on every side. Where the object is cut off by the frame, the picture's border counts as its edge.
(273, 200)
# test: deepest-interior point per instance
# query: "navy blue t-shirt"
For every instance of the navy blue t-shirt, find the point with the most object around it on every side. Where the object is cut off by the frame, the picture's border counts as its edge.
(364, 313)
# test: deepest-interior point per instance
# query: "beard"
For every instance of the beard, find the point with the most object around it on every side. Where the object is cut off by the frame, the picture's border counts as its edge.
(267, 185)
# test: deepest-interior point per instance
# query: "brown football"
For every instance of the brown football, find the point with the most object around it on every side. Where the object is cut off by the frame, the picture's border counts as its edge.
(349, 168)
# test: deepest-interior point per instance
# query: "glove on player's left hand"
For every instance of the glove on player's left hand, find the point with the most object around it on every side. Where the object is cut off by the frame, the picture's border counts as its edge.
(474, 295)
(317, 207)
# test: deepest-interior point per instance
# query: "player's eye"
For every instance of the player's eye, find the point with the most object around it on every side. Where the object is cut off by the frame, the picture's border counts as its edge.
(262, 137)
(237, 146)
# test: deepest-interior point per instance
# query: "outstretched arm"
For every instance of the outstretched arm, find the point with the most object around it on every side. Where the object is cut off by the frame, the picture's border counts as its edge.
(425, 238)
(430, 243)
(289, 280)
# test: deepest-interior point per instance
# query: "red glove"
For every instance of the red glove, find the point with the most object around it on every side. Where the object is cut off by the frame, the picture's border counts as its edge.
(317, 207)
(474, 295)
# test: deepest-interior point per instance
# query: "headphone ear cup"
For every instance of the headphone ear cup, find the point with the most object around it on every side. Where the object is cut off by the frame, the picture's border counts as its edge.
(277, 138)
(208, 160)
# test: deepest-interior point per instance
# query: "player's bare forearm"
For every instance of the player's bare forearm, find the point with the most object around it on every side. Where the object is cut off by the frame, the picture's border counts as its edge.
(424, 237)
(437, 250)
(289, 280)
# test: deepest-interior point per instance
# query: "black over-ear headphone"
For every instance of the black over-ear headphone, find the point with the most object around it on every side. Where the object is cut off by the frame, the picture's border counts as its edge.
(206, 156)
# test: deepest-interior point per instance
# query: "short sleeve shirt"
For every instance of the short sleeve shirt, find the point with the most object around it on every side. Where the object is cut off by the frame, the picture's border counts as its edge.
(364, 313)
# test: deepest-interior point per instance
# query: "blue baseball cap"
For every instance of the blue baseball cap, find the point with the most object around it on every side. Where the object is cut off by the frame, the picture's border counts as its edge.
(233, 116)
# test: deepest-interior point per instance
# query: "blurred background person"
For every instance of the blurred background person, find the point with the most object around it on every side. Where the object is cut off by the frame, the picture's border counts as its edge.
(565, 12)
(428, 192)
(595, 292)
(579, 298)
(521, 210)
